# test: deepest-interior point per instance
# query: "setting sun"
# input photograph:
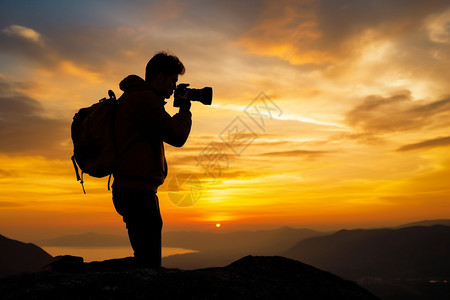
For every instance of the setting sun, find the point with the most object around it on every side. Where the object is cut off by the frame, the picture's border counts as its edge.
(218, 225)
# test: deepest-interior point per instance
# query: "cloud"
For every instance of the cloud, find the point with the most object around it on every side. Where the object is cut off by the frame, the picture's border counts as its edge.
(98, 39)
(10, 204)
(26, 43)
(295, 153)
(24, 32)
(397, 113)
(71, 68)
(288, 30)
(438, 26)
(24, 128)
(437, 142)
(31, 46)
(328, 31)
(389, 18)
(364, 138)
(6, 173)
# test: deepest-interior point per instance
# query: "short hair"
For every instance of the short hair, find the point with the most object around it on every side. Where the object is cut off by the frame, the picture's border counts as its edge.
(164, 63)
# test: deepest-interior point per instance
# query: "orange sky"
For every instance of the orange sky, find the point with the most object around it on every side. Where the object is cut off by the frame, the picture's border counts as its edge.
(326, 114)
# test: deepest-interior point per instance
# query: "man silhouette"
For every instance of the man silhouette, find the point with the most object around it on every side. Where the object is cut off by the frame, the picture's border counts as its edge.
(142, 127)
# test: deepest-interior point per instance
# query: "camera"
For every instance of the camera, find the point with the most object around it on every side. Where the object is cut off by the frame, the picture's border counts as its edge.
(203, 95)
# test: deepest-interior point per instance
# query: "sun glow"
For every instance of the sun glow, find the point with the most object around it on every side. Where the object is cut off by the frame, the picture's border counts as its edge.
(320, 115)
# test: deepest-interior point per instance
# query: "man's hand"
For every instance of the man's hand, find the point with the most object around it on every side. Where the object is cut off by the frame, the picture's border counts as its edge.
(183, 101)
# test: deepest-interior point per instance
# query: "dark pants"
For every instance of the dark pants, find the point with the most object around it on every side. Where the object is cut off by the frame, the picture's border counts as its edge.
(140, 212)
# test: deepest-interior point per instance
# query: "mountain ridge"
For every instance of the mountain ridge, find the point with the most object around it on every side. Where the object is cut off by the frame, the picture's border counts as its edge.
(17, 257)
(431, 222)
(94, 239)
(251, 277)
(404, 252)
(195, 240)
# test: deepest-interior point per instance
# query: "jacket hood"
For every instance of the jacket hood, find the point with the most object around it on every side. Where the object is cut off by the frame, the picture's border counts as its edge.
(132, 82)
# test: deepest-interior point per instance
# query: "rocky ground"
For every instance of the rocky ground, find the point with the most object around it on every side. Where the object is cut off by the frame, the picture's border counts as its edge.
(251, 277)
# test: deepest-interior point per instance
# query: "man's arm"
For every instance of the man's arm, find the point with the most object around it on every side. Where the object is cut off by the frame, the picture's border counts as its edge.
(173, 130)
(178, 135)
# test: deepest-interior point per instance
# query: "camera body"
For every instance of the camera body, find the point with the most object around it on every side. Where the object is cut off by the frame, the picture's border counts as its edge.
(203, 95)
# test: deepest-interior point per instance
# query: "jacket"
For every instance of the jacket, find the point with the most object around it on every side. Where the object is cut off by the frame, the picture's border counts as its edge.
(142, 127)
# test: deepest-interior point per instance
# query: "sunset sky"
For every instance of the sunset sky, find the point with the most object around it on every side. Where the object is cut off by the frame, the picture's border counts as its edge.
(326, 114)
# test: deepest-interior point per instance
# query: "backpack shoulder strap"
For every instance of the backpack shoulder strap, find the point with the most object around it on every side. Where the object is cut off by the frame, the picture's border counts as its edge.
(79, 178)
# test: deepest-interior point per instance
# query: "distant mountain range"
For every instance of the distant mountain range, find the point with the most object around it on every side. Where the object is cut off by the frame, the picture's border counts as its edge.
(270, 241)
(262, 241)
(89, 239)
(17, 257)
(347, 252)
(214, 248)
(205, 241)
(402, 259)
(220, 249)
(410, 252)
(445, 222)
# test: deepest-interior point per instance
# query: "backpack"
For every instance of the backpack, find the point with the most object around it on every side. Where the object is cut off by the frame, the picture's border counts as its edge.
(93, 136)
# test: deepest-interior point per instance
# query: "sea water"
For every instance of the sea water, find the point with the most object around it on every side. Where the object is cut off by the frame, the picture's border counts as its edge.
(103, 253)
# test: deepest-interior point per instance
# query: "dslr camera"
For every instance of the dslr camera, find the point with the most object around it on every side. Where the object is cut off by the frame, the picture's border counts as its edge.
(203, 95)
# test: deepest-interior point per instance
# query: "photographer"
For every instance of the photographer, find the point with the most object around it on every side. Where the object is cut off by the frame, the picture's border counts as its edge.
(142, 126)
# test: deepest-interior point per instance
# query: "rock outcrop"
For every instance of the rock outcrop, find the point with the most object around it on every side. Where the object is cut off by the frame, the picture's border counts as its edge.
(251, 277)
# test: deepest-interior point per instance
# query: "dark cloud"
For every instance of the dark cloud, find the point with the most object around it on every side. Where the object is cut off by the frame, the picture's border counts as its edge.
(294, 153)
(328, 31)
(349, 26)
(101, 35)
(30, 45)
(25, 130)
(437, 142)
(341, 21)
(88, 49)
(377, 114)
(6, 173)
(98, 34)
(365, 138)
(10, 204)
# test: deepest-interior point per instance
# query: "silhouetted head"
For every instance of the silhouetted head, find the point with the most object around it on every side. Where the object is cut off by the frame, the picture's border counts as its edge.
(162, 73)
